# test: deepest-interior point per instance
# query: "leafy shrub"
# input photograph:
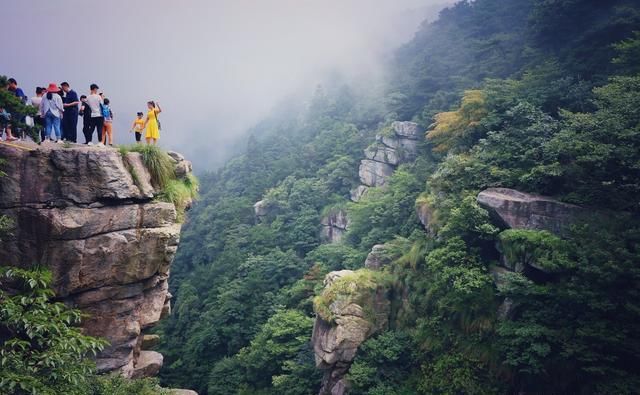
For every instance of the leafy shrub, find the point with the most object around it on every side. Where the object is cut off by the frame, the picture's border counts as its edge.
(41, 349)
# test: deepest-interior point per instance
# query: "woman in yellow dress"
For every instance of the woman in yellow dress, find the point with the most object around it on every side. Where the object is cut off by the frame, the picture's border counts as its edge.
(151, 123)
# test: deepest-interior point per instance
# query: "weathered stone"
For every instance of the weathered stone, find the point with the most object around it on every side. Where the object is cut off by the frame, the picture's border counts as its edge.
(150, 341)
(174, 391)
(147, 365)
(374, 174)
(407, 130)
(183, 168)
(359, 192)
(381, 153)
(261, 209)
(176, 156)
(334, 226)
(518, 210)
(78, 212)
(139, 173)
(335, 343)
(59, 176)
(378, 257)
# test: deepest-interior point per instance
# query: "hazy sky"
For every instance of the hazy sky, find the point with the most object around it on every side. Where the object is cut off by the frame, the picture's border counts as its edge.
(216, 66)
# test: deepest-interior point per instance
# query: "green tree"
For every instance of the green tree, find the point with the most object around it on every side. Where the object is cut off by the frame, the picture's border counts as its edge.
(41, 349)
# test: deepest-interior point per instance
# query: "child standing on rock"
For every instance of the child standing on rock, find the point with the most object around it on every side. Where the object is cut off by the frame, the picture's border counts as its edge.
(138, 126)
(107, 128)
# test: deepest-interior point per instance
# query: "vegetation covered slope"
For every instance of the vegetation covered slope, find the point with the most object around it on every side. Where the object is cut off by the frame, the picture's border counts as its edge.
(536, 95)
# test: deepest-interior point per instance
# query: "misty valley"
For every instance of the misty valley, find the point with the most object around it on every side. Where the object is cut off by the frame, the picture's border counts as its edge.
(468, 223)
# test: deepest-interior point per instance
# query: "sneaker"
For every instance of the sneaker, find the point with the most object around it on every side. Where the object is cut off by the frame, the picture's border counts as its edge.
(89, 143)
(60, 141)
(100, 145)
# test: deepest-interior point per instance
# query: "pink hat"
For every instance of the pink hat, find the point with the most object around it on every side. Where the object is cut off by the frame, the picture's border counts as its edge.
(53, 87)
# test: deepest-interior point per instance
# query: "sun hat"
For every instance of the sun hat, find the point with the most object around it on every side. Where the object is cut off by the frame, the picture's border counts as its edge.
(53, 88)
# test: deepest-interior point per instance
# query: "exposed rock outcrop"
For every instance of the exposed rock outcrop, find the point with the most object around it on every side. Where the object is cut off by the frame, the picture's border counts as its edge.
(392, 147)
(334, 226)
(374, 174)
(513, 209)
(182, 392)
(88, 215)
(359, 192)
(359, 309)
(378, 257)
(519, 210)
(260, 209)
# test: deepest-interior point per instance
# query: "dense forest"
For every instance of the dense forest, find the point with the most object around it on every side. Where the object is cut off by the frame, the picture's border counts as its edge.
(536, 95)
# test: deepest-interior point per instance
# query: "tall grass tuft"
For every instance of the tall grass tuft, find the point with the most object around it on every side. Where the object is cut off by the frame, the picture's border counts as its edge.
(156, 161)
(178, 193)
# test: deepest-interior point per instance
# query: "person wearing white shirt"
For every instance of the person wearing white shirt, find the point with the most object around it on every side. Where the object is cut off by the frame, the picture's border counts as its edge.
(95, 103)
(38, 119)
(52, 108)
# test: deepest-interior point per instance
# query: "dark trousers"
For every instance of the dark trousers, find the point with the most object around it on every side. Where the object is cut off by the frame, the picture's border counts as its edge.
(38, 121)
(96, 123)
(87, 130)
(70, 125)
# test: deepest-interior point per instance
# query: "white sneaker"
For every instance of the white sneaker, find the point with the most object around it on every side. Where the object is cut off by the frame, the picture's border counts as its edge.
(59, 141)
(100, 145)
(89, 143)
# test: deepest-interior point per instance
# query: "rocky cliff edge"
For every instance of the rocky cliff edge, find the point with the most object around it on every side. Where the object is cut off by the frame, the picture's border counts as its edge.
(89, 215)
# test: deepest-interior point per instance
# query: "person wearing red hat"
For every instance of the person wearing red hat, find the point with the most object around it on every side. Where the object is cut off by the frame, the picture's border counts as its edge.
(52, 108)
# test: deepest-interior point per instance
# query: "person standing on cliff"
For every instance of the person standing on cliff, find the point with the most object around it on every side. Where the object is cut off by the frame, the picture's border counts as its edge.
(95, 103)
(107, 131)
(70, 119)
(38, 119)
(53, 110)
(85, 111)
(151, 123)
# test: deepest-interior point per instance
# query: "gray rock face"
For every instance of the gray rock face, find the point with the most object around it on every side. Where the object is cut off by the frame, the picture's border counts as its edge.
(407, 130)
(182, 392)
(518, 210)
(81, 213)
(374, 174)
(359, 192)
(260, 209)
(335, 343)
(385, 154)
(378, 257)
(382, 154)
(148, 364)
(334, 226)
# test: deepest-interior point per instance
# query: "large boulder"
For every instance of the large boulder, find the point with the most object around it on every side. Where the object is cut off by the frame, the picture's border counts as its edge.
(519, 210)
(334, 225)
(374, 174)
(358, 309)
(382, 153)
(260, 209)
(148, 364)
(378, 257)
(359, 192)
(88, 215)
(175, 391)
(407, 130)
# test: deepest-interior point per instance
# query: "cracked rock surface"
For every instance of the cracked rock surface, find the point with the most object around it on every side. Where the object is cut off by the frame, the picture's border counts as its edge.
(81, 213)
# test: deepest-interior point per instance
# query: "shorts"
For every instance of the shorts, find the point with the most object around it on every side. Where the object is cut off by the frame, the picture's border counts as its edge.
(138, 136)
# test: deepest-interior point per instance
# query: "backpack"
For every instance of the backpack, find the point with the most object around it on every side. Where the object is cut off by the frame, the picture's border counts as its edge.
(106, 112)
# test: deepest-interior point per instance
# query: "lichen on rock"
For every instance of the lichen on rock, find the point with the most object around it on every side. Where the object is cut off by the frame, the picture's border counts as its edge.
(353, 306)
